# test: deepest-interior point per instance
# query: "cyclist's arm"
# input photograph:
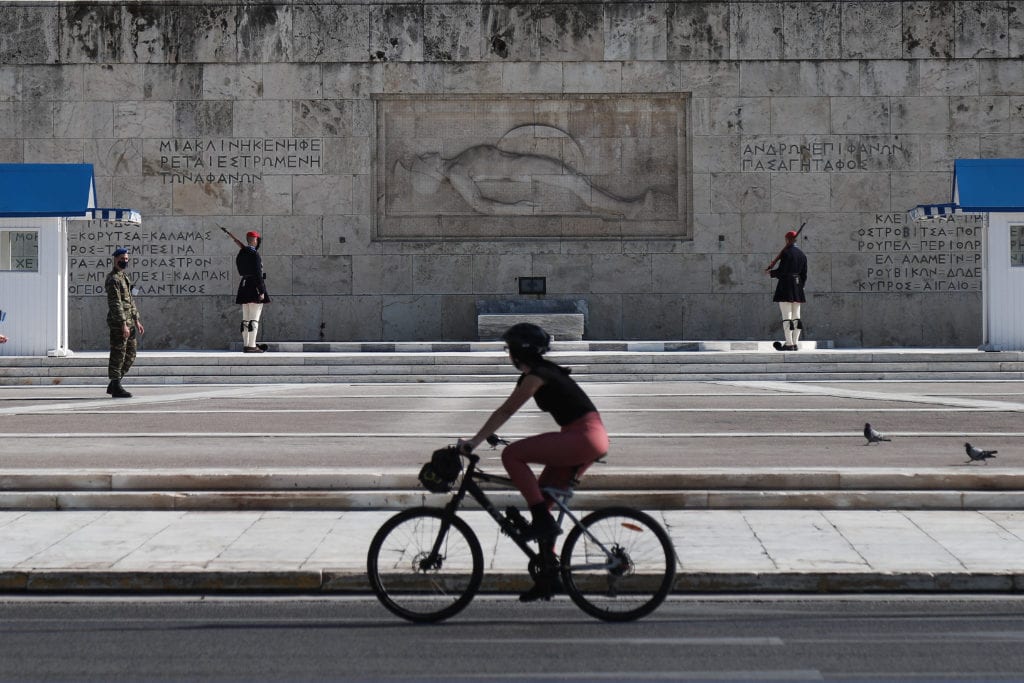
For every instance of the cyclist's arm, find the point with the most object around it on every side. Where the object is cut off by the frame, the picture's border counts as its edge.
(523, 393)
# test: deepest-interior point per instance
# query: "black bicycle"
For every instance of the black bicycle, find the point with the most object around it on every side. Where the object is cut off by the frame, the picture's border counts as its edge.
(426, 565)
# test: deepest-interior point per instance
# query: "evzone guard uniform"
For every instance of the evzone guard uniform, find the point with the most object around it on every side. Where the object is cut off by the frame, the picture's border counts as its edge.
(252, 291)
(791, 272)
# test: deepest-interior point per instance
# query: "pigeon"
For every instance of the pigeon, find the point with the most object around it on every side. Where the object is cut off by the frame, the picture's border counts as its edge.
(978, 454)
(873, 436)
(494, 440)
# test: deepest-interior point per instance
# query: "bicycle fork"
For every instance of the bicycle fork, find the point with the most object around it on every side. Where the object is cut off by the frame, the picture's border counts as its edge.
(433, 560)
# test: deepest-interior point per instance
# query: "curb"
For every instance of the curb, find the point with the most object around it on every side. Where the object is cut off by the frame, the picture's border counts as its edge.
(498, 582)
(401, 500)
(603, 478)
(397, 489)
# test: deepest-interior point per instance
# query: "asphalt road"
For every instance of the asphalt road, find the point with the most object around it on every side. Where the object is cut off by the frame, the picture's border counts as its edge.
(678, 424)
(354, 639)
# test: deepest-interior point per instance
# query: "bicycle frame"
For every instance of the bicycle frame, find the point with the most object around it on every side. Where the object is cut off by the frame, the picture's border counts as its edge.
(560, 497)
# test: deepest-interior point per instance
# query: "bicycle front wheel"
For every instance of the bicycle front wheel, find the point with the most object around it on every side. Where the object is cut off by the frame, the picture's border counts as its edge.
(618, 565)
(423, 567)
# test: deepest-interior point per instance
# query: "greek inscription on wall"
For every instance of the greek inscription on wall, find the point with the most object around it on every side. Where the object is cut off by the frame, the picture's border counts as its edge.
(790, 153)
(901, 255)
(234, 161)
(164, 262)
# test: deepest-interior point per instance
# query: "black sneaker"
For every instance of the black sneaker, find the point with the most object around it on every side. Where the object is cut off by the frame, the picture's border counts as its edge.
(544, 588)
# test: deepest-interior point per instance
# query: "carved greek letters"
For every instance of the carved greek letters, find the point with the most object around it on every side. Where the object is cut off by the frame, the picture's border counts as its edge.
(899, 255)
(235, 160)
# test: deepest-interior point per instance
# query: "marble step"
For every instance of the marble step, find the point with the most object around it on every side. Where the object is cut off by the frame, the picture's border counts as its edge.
(429, 363)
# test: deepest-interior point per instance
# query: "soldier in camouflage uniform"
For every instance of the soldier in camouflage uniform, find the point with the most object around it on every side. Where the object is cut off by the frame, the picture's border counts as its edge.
(124, 323)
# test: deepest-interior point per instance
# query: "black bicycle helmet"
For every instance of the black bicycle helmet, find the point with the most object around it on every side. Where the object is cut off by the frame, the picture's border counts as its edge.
(527, 340)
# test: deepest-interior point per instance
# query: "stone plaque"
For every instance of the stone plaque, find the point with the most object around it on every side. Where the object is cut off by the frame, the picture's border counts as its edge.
(513, 166)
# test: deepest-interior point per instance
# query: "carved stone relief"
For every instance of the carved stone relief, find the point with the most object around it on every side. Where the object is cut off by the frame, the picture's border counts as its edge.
(532, 165)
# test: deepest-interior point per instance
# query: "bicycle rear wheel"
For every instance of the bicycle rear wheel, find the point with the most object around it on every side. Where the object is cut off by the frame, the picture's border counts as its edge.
(619, 566)
(413, 581)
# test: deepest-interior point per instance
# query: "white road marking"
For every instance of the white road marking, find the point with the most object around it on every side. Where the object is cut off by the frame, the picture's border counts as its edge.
(766, 675)
(487, 411)
(836, 392)
(728, 641)
(86, 404)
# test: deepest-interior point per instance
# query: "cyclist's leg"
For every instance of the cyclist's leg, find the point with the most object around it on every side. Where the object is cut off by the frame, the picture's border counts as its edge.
(579, 443)
(517, 457)
(561, 453)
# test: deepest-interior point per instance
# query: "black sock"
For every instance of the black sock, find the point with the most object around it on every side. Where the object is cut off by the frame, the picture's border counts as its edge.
(541, 514)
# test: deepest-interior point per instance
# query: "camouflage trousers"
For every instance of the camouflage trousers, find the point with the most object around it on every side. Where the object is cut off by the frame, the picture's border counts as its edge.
(122, 353)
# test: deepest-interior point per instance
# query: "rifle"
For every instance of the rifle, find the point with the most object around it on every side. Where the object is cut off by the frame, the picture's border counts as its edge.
(241, 244)
(233, 239)
(776, 259)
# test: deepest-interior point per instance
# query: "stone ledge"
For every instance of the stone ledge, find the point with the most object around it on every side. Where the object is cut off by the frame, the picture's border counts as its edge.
(495, 581)
(585, 500)
(561, 326)
(967, 480)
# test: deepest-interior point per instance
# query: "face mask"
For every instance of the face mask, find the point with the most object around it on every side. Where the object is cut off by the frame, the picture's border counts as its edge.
(122, 264)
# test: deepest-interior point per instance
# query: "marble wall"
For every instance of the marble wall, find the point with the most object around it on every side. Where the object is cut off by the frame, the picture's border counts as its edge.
(269, 116)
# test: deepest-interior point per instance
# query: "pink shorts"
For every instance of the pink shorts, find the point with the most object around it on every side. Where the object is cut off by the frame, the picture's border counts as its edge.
(569, 451)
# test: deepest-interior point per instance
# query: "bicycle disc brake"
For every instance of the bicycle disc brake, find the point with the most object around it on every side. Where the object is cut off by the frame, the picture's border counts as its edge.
(425, 562)
(623, 566)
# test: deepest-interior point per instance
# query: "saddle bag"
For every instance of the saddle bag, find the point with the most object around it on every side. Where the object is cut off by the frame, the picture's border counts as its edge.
(439, 475)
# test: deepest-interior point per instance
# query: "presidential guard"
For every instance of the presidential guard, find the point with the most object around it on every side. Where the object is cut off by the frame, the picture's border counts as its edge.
(252, 289)
(124, 323)
(791, 271)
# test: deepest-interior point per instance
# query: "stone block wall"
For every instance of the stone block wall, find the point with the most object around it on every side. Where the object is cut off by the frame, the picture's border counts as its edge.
(264, 115)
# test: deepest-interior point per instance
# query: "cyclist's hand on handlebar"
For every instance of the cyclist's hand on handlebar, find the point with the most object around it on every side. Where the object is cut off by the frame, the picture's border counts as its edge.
(494, 440)
(465, 447)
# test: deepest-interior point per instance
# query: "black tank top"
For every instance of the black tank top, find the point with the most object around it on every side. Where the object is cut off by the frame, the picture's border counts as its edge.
(559, 395)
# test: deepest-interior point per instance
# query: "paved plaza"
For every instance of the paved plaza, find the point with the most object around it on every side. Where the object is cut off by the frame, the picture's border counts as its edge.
(78, 441)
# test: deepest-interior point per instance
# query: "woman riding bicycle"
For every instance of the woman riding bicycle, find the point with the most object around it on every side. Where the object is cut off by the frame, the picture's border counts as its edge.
(581, 441)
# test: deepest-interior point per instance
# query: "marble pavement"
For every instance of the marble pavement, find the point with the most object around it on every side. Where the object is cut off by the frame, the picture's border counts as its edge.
(719, 550)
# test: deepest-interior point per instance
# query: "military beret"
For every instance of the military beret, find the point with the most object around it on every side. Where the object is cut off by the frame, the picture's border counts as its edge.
(119, 251)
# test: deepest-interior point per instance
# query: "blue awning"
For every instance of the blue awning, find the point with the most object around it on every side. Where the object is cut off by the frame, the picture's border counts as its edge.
(989, 185)
(119, 215)
(54, 190)
(980, 186)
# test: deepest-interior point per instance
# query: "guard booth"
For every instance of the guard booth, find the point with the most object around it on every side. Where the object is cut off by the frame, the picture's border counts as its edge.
(995, 188)
(37, 201)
